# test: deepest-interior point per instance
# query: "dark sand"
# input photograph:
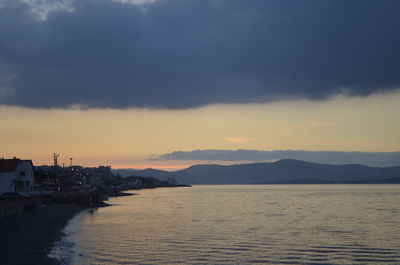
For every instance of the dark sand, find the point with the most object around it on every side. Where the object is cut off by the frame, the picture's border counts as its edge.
(27, 238)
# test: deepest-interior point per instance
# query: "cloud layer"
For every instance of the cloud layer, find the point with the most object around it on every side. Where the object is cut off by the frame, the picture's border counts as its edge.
(189, 53)
(383, 159)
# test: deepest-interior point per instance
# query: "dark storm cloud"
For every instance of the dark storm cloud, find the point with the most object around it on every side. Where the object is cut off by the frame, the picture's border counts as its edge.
(329, 157)
(189, 53)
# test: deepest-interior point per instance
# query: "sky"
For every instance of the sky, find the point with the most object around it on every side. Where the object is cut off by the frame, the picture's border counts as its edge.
(137, 84)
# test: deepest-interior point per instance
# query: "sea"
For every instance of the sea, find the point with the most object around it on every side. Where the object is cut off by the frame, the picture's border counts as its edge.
(240, 224)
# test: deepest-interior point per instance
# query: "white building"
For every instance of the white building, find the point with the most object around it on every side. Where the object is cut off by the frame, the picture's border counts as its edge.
(16, 175)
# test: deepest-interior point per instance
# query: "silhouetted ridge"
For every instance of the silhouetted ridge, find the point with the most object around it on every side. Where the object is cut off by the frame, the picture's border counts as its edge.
(284, 171)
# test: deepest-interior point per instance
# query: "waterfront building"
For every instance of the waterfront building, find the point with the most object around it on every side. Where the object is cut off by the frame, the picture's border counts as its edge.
(16, 175)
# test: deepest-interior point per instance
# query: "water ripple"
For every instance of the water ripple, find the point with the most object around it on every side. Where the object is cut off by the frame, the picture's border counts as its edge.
(264, 224)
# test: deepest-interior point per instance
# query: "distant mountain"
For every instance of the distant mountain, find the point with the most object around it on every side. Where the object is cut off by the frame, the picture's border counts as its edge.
(125, 171)
(148, 172)
(286, 171)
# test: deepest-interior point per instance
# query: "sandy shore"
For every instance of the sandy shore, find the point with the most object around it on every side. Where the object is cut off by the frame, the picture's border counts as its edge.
(26, 238)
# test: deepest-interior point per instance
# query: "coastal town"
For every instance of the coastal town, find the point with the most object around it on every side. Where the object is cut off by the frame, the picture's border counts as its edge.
(24, 186)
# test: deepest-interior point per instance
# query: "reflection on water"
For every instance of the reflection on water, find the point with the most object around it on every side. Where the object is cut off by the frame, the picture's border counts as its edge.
(267, 224)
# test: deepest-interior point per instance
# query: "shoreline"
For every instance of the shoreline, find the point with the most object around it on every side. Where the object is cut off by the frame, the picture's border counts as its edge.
(28, 237)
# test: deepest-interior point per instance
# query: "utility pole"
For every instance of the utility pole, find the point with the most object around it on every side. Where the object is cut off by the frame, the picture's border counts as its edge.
(55, 159)
(56, 180)
(70, 159)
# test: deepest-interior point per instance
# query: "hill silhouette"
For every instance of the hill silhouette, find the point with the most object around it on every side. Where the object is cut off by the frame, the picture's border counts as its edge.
(285, 171)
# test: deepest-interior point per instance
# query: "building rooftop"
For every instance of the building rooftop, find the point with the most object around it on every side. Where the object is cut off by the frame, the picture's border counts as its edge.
(10, 165)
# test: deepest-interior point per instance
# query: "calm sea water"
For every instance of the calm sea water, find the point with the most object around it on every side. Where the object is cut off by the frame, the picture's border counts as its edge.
(249, 224)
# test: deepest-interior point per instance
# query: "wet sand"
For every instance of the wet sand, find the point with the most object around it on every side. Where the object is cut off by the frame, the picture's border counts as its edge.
(27, 238)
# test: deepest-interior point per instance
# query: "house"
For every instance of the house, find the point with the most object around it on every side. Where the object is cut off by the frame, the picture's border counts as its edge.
(16, 175)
